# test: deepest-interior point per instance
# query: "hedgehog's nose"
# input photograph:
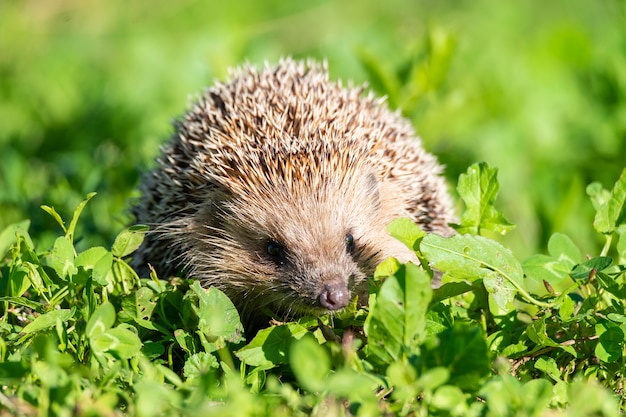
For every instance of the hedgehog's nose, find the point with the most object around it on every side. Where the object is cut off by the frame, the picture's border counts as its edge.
(334, 296)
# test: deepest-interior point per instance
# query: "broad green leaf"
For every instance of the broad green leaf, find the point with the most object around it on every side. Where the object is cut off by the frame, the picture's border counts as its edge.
(50, 374)
(357, 387)
(271, 346)
(546, 268)
(449, 397)
(199, 364)
(612, 213)
(13, 372)
(504, 395)
(99, 260)
(463, 351)
(102, 272)
(407, 232)
(10, 235)
(48, 320)
(218, 317)
(88, 258)
(138, 305)
(62, 257)
(536, 332)
(501, 293)
(18, 281)
(185, 341)
(451, 289)
(402, 376)
(564, 250)
(128, 240)
(434, 377)
(387, 268)
(37, 277)
(396, 322)
(564, 254)
(566, 309)
(101, 320)
(122, 273)
(610, 344)
(598, 195)
(79, 209)
(310, 363)
(593, 265)
(548, 365)
(120, 341)
(475, 257)
(479, 188)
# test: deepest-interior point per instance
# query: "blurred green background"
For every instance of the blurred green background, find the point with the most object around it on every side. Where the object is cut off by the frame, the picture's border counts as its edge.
(536, 88)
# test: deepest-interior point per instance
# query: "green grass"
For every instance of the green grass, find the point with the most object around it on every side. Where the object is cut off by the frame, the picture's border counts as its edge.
(536, 89)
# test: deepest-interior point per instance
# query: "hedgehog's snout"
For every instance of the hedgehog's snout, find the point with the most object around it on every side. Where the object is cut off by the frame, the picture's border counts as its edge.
(334, 295)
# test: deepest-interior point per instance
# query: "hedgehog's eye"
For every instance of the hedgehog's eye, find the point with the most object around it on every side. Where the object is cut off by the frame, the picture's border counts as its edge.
(350, 243)
(274, 249)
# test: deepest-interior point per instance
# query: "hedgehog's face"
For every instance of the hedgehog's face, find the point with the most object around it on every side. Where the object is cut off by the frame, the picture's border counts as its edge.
(305, 252)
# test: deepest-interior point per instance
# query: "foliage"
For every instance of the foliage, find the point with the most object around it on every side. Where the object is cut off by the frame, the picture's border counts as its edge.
(82, 334)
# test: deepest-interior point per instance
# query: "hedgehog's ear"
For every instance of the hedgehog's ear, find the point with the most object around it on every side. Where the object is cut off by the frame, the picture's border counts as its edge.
(371, 183)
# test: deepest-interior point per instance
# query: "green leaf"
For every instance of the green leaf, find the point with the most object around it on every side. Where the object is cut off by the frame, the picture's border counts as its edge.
(593, 265)
(548, 365)
(61, 258)
(120, 341)
(449, 398)
(88, 258)
(79, 209)
(48, 320)
(185, 341)
(99, 260)
(199, 364)
(11, 234)
(396, 322)
(51, 211)
(407, 232)
(451, 289)
(564, 254)
(271, 346)
(102, 271)
(22, 301)
(475, 257)
(218, 317)
(310, 363)
(128, 240)
(536, 332)
(562, 248)
(357, 387)
(463, 351)
(612, 213)
(505, 396)
(479, 188)
(598, 195)
(101, 320)
(610, 344)
(545, 268)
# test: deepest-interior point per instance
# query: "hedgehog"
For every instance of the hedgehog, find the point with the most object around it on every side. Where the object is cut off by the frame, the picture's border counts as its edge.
(277, 187)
